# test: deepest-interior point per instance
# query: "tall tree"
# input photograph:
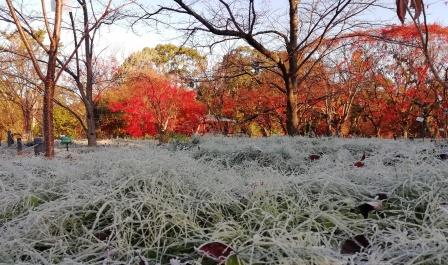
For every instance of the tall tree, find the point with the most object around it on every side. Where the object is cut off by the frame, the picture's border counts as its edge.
(153, 105)
(182, 63)
(311, 24)
(240, 90)
(85, 31)
(78, 65)
(48, 76)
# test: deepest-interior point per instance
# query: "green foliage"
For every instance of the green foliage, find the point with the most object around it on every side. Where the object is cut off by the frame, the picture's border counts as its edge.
(177, 137)
(169, 59)
(65, 123)
(243, 62)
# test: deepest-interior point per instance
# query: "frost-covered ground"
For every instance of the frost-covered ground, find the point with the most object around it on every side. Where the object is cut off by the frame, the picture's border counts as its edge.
(132, 202)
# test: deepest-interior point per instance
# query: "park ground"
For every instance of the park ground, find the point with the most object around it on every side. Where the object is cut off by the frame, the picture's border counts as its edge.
(279, 200)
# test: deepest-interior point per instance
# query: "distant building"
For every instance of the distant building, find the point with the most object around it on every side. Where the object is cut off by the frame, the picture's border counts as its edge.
(216, 124)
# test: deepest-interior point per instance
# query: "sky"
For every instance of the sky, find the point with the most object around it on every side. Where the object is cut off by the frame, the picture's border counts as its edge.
(437, 11)
(120, 40)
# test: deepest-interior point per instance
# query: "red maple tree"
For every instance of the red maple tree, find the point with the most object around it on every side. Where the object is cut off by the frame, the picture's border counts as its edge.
(155, 106)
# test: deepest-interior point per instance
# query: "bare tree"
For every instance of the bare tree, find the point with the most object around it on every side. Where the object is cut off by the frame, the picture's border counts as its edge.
(292, 47)
(85, 31)
(23, 94)
(49, 75)
(83, 74)
(18, 80)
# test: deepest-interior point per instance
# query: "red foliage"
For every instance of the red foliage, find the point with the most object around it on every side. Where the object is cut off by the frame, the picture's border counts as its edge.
(375, 87)
(155, 106)
(410, 32)
(258, 105)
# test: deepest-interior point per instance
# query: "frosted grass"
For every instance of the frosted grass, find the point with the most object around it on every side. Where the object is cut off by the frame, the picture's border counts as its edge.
(132, 199)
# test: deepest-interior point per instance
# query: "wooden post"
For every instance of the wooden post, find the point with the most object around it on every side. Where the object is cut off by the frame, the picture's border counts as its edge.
(38, 146)
(19, 146)
(10, 139)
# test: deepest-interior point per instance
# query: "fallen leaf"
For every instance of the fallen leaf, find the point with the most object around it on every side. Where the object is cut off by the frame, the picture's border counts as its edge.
(381, 196)
(442, 156)
(359, 164)
(365, 209)
(215, 251)
(355, 245)
(368, 207)
(314, 157)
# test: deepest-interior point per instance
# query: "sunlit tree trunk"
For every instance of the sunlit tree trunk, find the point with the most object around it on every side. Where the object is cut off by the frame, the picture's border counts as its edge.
(48, 124)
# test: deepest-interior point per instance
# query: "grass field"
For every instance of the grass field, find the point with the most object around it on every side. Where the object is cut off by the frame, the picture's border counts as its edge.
(134, 202)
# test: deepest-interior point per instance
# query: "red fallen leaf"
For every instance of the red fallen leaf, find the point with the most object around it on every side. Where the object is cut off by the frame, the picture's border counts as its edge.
(359, 164)
(314, 157)
(215, 251)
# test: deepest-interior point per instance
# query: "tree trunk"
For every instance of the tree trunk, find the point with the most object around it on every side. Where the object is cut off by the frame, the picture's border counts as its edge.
(49, 79)
(378, 131)
(49, 88)
(292, 118)
(48, 113)
(406, 132)
(91, 126)
(90, 106)
(27, 124)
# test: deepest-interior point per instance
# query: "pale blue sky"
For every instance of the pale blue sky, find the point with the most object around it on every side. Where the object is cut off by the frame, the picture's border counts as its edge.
(437, 11)
(120, 41)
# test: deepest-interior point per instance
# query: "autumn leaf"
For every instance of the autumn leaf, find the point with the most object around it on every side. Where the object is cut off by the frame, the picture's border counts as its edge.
(359, 164)
(216, 251)
(355, 245)
(402, 9)
(417, 5)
